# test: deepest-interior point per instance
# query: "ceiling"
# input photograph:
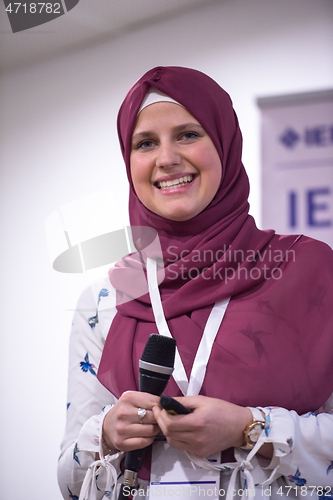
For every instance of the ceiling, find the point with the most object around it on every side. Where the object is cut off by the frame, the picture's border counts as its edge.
(89, 22)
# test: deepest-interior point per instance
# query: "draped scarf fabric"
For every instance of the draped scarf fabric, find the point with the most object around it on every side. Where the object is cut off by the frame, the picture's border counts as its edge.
(218, 254)
(212, 247)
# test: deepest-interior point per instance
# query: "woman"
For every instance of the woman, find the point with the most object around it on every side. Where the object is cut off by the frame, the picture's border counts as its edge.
(262, 300)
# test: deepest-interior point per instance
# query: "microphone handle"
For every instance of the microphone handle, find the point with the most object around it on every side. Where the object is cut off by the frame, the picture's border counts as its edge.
(155, 369)
(129, 485)
(134, 459)
(131, 472)
(154, 383)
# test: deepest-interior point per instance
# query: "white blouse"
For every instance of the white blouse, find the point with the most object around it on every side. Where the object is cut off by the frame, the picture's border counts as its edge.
(302, 465)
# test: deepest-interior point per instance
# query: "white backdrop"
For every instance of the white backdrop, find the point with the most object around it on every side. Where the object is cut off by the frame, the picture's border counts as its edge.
(59, 144)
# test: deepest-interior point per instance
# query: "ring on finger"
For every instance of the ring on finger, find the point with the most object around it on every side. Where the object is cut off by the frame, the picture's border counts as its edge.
(141, 414)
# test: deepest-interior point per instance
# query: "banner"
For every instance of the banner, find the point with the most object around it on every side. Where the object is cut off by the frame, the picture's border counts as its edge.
(297, 164)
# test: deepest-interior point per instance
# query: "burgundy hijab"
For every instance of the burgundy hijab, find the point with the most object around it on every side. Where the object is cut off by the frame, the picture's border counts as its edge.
(264, 352)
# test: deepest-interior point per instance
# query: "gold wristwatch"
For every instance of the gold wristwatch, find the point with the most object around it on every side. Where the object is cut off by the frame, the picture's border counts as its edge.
(253, 431)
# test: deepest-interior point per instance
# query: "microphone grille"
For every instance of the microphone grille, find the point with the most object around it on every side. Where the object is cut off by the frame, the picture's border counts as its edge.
(160, 350)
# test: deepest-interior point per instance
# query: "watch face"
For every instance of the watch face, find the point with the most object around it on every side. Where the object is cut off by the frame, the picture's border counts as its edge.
(255, 432)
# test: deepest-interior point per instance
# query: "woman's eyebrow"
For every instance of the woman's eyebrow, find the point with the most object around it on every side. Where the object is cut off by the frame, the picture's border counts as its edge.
(143, 134)
(186, 126)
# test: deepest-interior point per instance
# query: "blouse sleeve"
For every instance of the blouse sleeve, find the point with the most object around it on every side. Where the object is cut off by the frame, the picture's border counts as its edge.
(303, 447)
(88, 401)
(303, 451)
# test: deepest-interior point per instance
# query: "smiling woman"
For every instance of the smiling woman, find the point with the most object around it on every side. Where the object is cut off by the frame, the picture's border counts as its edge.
(253, 325)
(175, 168)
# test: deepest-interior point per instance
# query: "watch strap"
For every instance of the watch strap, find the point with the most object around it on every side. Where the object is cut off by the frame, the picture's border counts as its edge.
(258, 424)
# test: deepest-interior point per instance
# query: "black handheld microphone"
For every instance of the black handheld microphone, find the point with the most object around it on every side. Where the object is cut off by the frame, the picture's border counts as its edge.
(155, 369)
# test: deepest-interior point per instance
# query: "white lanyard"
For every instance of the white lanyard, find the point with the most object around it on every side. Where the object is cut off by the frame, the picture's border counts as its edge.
(192, 387)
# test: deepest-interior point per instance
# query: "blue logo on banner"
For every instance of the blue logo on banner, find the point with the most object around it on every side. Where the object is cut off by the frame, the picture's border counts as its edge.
(289, 138)
(318, 136)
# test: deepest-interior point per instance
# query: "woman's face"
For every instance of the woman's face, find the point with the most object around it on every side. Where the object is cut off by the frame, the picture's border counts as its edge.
(175, 168)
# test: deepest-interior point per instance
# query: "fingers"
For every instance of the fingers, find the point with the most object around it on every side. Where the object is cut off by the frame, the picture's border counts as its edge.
(214, 425)
(140, 399)
(175, 428)
(137, 439)
(136, 407)
(172, 424)
(131, 424)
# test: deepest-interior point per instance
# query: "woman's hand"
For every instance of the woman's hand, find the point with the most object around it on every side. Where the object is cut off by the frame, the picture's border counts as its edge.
(122, 428)
(214, 425)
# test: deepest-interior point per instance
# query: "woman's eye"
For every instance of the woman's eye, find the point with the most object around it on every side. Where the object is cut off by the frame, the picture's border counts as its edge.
(145, 144)
(190, 135)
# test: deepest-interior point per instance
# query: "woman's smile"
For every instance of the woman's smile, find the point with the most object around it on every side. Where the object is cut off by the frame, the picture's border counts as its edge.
(178, 182)
(175, 168)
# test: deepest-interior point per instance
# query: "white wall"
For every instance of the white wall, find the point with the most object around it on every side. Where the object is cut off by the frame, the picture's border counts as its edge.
(59, 144)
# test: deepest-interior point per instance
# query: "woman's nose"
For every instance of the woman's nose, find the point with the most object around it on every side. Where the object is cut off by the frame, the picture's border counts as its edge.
(167, 155)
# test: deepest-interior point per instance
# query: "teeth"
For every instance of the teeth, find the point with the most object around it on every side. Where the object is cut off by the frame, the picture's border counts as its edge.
(176, 182)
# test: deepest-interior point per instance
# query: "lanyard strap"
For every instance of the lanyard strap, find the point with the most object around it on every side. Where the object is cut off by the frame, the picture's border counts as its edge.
(192, 387)
(179, 373)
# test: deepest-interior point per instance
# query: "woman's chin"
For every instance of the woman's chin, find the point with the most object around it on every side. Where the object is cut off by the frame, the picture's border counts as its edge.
(177, 215)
